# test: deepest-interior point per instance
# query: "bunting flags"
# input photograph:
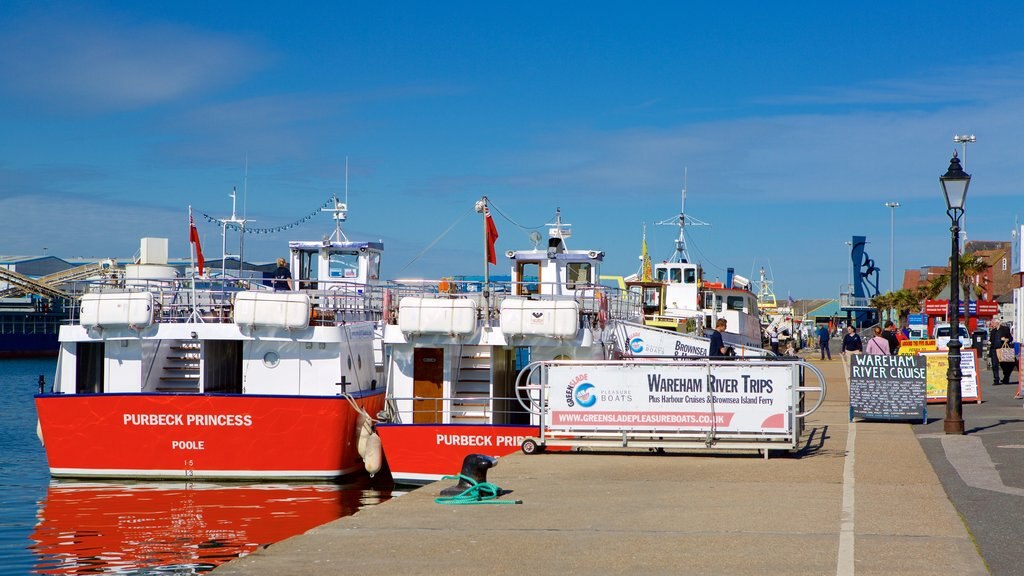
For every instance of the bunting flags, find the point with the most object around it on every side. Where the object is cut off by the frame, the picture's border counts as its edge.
(193, 237)
(492, 236)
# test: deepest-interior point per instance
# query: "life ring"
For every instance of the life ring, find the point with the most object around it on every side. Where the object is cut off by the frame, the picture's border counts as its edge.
(443, 286)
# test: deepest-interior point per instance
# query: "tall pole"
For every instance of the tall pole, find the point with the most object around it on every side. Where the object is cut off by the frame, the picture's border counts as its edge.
(892, 236)
(963, 140)
(954, 186)
(954, 422)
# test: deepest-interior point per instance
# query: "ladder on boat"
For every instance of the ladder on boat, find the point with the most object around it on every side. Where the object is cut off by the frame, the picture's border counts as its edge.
(471, 390)
(180, 372)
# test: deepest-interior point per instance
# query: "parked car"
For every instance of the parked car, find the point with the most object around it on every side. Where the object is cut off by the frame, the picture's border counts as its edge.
(942, 332)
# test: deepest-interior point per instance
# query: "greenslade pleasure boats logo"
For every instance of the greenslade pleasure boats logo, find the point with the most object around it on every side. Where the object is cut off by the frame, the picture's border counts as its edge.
(636, 345)
(581, 392)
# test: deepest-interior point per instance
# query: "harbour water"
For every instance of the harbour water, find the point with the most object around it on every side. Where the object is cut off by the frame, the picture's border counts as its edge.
(70, 527)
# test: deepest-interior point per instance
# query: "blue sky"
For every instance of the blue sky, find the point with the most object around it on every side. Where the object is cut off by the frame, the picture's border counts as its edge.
(796, 122)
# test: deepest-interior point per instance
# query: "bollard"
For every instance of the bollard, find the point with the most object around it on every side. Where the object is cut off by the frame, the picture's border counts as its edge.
(474, 466)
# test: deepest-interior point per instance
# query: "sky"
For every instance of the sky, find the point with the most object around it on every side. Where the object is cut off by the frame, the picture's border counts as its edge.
(790, 126)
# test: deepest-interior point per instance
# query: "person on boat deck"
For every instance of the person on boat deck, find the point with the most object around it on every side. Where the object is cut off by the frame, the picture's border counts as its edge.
(878, 344)
(824, 335)
(717, 347)
(282, 276)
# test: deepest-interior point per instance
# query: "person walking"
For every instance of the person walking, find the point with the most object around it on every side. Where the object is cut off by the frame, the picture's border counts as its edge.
(773, 337)
(823, 338)
(717, 347)
(999, 336)
(878, 344)
(852, 344)
(890, 336)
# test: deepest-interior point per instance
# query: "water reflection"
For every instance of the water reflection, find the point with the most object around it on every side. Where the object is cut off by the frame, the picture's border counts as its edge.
(178, 528)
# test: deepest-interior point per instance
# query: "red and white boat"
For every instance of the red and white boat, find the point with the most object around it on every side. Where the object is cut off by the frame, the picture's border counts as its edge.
(161, 376)
(453, 356)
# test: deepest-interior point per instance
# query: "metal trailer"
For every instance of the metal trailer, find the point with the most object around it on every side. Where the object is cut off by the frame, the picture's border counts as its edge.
(755, 404)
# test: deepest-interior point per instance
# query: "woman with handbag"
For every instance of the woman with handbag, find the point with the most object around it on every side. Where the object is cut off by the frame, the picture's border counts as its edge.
(1001, 353)
(877, 344)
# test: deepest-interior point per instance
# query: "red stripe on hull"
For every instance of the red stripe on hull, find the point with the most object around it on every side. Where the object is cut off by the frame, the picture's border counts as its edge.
(422, 452)
(196, 436)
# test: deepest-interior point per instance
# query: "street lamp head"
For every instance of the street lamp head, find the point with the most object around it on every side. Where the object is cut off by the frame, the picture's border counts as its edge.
(892, 204)
(954, 184)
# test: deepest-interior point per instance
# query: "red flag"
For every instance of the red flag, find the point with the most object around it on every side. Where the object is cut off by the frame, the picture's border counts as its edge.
(492, 237)
(193, 237)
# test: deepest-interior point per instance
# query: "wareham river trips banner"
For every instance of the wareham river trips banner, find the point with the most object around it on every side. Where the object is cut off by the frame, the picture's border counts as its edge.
(884, 387)
(726, 398)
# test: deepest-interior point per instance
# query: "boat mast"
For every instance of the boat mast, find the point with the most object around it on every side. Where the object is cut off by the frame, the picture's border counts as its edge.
(340, 211)
(681, 255)
(239, 224)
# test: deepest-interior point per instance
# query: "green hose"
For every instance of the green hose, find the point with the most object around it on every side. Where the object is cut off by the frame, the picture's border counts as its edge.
(477, 493)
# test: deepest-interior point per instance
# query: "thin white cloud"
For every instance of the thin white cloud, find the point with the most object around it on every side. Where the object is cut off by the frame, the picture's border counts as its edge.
(93, 63)
(980, 82)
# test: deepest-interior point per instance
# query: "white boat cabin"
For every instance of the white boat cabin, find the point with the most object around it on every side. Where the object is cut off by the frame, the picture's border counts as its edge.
(157, 332)
(682, 283)
(331, 263)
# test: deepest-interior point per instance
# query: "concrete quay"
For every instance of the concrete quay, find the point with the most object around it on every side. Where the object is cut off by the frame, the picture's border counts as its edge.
(858, 498)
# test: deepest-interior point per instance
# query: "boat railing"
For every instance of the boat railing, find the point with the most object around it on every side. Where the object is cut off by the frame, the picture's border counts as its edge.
(212, 300)
(457, 410)
(596, 301)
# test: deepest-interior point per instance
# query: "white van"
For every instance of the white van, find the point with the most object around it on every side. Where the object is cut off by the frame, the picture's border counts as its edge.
(942, 332)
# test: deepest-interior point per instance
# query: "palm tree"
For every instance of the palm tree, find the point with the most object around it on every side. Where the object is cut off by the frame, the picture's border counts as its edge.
(933, 288)
(883, 302)
(972, 266)
(906, 302)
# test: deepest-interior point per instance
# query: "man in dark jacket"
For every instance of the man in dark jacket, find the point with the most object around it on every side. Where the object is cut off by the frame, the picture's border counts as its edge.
(889, 333)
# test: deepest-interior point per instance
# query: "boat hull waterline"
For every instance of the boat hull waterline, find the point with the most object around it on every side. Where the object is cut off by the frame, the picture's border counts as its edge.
(176, 436)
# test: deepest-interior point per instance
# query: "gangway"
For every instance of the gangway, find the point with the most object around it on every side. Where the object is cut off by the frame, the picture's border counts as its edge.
(640, 340)
(755, 404)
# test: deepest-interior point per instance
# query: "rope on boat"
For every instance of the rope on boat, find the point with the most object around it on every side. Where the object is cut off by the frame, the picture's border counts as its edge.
(477, 493)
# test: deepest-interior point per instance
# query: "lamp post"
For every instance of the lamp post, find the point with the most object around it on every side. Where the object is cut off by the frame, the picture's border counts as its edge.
(954, 186)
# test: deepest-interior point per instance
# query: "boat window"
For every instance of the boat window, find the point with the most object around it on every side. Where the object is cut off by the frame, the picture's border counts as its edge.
(528, 276)
(577, 272)
(661, 274)
(690, 276)
(677, 275)
(373, 266)
(652, 298)
(344, 265)
(734, 302)
(308, 269)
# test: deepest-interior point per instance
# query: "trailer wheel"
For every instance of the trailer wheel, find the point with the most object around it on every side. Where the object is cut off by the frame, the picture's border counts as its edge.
(530, 446)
